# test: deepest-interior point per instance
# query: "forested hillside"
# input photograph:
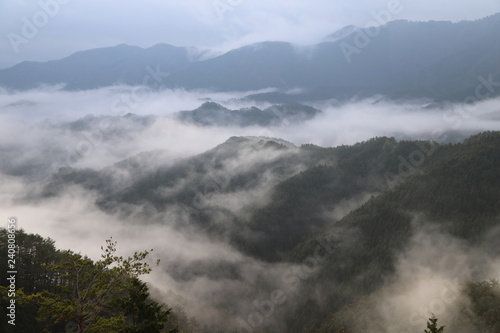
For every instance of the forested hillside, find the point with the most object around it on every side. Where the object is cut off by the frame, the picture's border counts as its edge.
(455, 191)
(343, 233)
(58, 290)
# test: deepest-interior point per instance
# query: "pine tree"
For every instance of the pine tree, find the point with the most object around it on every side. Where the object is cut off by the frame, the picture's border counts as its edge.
(89, 290)
(143, 314)
(432, 326)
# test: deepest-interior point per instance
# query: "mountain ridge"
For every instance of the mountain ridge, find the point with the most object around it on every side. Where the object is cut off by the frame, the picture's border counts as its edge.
(277, 203)
(437, 59)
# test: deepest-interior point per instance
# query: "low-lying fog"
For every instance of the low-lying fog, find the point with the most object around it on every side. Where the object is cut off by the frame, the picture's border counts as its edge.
(43, 130)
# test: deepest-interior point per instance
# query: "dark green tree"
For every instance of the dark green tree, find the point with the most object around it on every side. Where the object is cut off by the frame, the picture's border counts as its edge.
(142, 314)
(484, 301)
(89, 291)
(432, 326)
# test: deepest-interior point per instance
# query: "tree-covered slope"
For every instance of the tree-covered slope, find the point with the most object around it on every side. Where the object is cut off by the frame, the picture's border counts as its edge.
(341, 217)
(456, 188)
(55, 290)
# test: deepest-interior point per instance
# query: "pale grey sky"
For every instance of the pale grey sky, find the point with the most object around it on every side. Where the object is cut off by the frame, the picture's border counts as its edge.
(50, 29)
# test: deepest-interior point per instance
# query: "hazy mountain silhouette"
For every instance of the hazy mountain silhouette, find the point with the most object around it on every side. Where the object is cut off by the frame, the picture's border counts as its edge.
(439, 60)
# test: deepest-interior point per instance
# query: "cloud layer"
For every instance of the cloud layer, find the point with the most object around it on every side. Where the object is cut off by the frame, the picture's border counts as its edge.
(45, 129)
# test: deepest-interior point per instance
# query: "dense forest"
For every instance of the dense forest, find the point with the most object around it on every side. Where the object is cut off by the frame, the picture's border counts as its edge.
(343, 239)
(63, 291)
(58, 290)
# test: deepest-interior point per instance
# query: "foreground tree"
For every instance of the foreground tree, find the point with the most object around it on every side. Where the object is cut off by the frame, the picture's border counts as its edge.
(143, 315)
(432, 326)
(97, 296)
(484, 301)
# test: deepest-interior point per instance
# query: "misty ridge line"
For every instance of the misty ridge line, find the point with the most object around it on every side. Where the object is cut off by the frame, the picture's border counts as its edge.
(133, 98)
(456, 117)
(130, 101)
(120, 106)
(95, 136)
(372, 29)
(317, 72)
(51, 8)
(291, 279)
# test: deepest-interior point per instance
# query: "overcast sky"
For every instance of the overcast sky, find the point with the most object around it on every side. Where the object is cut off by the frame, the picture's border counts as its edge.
(50, 29)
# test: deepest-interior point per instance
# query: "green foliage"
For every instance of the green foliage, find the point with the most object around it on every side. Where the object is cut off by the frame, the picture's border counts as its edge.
(484, 299)
(65, 290)
(34, 253)
(457, 187)
(297, 208)
(88, 290)
(143, 315)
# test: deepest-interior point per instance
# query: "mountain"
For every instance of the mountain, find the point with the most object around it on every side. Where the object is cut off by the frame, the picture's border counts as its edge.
(339, 34)
(121, 64)
(306, 181)
(454, 191)
(213, 114)
(272, 97)
(401, 59)
(360, 209)
(252, 67)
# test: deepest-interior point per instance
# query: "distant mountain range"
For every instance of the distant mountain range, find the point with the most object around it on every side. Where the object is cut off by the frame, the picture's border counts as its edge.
(121, 64)
(437, 60)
